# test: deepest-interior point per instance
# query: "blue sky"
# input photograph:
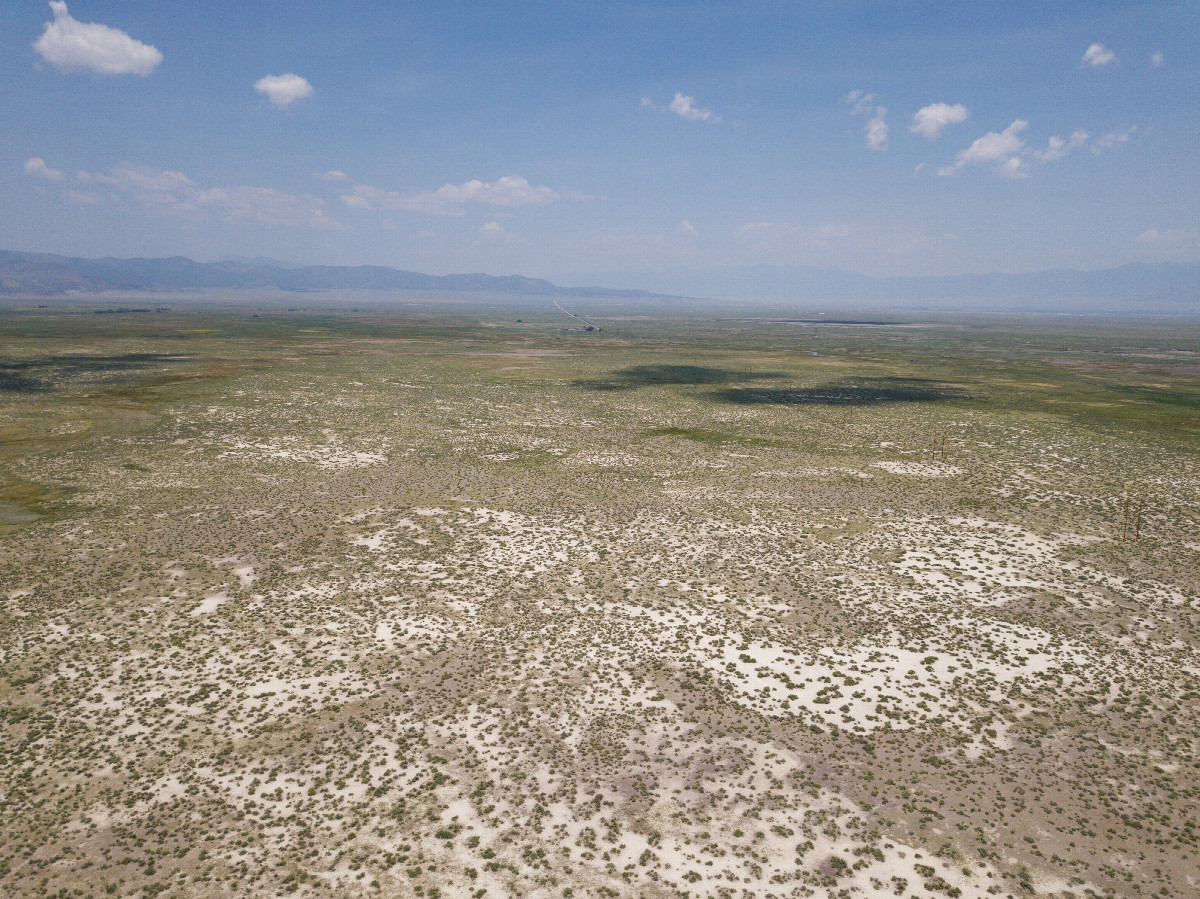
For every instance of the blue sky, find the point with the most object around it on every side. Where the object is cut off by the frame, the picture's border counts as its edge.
(573, 139)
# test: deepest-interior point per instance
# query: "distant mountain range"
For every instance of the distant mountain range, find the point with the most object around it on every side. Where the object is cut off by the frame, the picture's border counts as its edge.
(1138, 287)
(43, 274)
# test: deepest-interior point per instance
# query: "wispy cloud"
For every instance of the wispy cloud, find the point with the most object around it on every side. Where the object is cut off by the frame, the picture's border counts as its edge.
(82, 197)
(1154, 237)
(810, 236)
(756, 227)
(1157, 59)
(494, 230)
(1098, 55)
(931, 120)
(511, 190)
(35, 167)
(830, 232)
(71, 45)
(266, 205)
(1057, 147)
(860, 103)
(1112, 138)
(164, 192)
(877, 130)
(332, 175)
(283, 90)
(687, 229)
(1168, 244)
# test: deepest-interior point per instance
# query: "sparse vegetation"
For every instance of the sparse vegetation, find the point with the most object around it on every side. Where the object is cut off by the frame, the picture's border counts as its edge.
(438, 602)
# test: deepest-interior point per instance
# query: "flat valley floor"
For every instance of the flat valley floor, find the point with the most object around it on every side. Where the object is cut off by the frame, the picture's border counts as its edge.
(466, 600)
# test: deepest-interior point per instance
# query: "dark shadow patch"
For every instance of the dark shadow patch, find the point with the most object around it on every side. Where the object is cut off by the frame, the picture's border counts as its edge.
(90, 362)
(703, 435)
(24, 502)
(1177, 397)
(603, 385)
(49, 372)
(15, 515)
(12, 382)
(850, 392)
(671, 375)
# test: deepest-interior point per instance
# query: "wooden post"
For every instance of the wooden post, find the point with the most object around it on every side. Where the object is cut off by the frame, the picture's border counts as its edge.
(938, 447)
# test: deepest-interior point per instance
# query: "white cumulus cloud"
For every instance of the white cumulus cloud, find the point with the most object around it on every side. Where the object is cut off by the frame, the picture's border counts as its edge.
(1009, 155)
(332, 175)
(686, 108)
(1001, 149)
(687, 229)
(1098, 55)
(71, 45)
(993, 147)
(285, 89)
(511, 190)
(35, 167)
(932, 119)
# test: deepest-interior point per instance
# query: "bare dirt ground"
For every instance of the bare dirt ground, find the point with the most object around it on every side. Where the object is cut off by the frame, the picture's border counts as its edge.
(438, 603)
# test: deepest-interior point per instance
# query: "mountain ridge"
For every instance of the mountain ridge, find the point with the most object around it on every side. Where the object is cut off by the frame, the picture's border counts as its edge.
(1133, 287)
(47, 274)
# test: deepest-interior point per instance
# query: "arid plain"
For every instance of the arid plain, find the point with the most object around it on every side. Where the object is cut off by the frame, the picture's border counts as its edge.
(466, 600)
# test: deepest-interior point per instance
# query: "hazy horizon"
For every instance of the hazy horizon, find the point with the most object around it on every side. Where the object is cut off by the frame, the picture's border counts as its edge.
(1136, 287)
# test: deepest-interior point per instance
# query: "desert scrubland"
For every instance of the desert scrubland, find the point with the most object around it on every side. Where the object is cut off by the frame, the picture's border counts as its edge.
(469, 601)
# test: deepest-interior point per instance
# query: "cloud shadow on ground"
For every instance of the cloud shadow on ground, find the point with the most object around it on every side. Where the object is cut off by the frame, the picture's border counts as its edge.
(847, 392)
(48, 372)
(671, 375)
